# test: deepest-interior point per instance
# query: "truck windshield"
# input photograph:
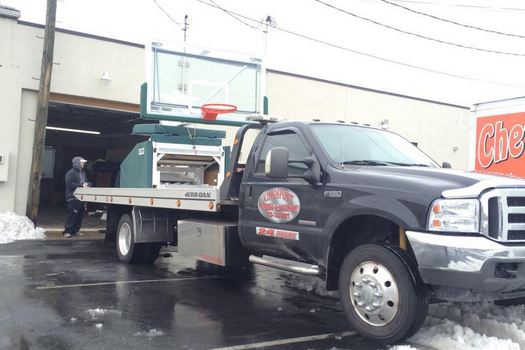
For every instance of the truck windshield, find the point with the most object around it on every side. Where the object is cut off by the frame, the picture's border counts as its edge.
(366, 146)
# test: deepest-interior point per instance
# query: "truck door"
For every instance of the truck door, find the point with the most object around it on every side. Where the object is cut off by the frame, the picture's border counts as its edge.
(279, 217)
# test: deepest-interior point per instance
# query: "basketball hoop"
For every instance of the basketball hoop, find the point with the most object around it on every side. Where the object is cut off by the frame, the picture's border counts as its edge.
(210, 111)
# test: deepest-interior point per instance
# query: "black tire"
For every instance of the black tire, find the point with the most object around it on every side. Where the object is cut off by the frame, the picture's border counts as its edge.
(421, 291)
(382, 273)
(137, 253)
(133, 253)
(150, 252)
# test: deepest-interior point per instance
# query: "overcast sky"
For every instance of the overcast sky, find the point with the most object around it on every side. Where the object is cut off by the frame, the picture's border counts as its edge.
(494, 75)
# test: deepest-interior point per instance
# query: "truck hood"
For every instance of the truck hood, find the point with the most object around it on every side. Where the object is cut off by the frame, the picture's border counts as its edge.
(435, 182)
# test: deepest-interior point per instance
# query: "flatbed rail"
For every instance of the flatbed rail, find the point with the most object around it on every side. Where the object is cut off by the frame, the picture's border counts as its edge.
(184, 197)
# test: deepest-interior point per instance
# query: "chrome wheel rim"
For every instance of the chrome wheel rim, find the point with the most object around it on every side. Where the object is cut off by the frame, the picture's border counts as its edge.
(124, 238)
(374, 293)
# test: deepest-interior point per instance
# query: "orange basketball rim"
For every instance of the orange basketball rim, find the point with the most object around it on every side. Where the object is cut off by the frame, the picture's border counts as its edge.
(210, 111)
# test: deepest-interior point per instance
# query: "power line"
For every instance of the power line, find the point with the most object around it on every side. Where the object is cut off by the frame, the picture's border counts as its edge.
(233, 16)
(478, 7)
(415, 34)
(166, 13)
(326, 43)
(450, 21)
(461, 5)
(397, 62)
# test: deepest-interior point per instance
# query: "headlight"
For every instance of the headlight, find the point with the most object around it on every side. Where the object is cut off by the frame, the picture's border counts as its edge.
(454, 215)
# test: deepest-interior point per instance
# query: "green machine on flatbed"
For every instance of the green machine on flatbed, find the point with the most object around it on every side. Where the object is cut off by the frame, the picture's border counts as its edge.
(169, 156)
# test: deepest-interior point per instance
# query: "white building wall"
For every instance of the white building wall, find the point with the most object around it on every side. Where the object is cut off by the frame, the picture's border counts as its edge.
(10, 102)
(80, 62)
(437, 128)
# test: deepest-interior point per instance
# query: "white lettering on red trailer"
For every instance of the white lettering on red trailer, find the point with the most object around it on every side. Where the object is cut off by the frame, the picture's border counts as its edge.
(496, 143)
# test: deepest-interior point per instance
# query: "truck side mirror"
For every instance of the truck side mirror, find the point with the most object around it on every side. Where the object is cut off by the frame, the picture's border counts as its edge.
(446, 165)
(313, 174)
(276, 164)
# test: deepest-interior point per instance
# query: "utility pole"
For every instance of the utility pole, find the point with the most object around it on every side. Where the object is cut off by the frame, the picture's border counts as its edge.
(268, 22)
(33, 199)
(186, 25)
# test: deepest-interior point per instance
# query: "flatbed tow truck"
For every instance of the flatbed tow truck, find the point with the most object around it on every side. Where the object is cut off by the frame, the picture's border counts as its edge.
(359, 207)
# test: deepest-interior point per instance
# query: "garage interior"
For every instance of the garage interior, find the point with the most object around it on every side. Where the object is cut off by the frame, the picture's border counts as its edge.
(100, 135)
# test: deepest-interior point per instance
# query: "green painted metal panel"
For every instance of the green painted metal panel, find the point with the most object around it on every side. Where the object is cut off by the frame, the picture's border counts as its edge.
(186, 140)
(136, 169)
(150, 129)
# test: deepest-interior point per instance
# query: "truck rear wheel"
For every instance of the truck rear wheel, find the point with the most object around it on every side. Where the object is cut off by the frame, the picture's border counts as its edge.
(150, 252)
(130, 252)
(379, 295)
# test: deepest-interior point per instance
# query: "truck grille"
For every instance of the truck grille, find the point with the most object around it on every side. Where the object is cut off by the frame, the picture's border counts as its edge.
(504, 214)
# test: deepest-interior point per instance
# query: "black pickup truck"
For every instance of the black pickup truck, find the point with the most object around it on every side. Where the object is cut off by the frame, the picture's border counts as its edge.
(360, 207)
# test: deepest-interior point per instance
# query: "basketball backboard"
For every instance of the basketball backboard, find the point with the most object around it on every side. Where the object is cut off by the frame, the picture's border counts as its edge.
(182, 79)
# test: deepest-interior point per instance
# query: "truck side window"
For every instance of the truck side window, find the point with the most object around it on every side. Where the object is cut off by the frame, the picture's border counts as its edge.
(296, 148)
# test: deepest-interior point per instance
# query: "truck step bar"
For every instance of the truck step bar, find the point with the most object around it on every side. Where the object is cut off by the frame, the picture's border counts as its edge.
(286, 265)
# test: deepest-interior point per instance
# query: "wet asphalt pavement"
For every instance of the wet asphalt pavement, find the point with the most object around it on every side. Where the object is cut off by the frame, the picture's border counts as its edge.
(77, 295)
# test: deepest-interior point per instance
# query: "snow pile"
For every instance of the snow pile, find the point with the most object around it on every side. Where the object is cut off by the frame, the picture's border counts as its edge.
(150, 334)
(473, 326)
(96, 312)
(15, 227)
(451, 326)
(446, 334)
(309, 284)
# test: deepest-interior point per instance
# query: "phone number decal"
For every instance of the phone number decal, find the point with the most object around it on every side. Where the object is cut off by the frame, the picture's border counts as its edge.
(273, 232)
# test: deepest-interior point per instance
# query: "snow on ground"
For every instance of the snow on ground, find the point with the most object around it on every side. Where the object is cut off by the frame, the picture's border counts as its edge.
(99, 312)
(468, 326)
(449, 335)
(150, 334)
(309, 284)
(452, 326)
(15, 227)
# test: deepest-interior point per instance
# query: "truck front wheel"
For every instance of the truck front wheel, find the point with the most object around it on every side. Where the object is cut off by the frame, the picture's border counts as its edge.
(379, 295)
(128, 250)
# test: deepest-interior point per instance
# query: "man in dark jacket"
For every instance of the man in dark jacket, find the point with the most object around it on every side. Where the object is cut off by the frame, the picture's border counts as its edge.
(75, 177)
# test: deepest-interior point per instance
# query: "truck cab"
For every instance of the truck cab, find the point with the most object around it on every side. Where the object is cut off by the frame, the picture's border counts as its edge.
(351, 199)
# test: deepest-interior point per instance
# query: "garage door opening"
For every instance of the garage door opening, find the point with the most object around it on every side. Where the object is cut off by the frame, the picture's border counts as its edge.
(101, 136)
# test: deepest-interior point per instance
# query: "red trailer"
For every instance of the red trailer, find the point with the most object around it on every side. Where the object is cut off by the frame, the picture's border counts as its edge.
(498, 137)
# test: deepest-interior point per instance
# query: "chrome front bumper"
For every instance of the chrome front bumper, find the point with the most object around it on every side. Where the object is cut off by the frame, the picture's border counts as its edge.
(468, 262)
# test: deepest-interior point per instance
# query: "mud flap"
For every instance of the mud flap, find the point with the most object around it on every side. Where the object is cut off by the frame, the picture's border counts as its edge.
(153, 225)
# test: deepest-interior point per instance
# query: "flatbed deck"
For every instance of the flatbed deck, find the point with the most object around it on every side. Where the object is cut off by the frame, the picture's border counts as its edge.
(183, 197)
